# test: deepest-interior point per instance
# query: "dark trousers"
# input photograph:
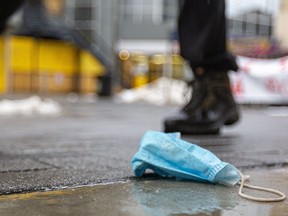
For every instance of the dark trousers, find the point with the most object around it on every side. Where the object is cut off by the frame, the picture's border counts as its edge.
(202, 34)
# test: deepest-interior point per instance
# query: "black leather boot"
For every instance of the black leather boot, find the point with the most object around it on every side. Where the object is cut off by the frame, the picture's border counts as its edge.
(211, 107)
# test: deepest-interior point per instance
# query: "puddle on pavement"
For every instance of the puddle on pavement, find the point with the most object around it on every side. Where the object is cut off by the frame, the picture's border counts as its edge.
(146, 198)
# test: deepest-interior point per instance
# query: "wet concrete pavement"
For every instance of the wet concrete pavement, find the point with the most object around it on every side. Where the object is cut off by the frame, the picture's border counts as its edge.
(92, 142)
(150, 198)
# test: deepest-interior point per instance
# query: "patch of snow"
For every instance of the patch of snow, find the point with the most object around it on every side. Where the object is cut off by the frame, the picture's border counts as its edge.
(163, 91)
(30, 106)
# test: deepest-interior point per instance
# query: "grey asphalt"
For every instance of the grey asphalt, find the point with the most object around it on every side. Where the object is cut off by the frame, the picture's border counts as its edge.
(93, 141)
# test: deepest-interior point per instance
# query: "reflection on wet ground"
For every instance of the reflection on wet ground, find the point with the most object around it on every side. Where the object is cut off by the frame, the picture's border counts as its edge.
(164, 197)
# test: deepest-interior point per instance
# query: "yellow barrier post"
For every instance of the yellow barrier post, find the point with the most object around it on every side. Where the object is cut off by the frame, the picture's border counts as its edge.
(2, 71)
(58, 64)
(23, 63)
(90, 69)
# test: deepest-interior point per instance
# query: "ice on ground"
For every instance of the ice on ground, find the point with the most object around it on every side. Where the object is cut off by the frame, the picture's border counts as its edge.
(163, 91)
(31, 106)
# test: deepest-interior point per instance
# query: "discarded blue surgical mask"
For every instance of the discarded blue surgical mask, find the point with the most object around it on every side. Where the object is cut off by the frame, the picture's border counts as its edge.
(169, 156)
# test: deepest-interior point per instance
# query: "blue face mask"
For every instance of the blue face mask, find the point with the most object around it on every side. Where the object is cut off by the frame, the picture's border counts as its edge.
(169, 156)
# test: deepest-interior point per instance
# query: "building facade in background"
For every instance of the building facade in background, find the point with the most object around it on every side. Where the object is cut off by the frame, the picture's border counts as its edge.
(143, 32)
(114, 24)
(149, 26)
(281, 24)
(254, 23)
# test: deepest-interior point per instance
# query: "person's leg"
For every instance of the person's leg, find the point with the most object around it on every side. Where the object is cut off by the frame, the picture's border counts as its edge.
(202, 37)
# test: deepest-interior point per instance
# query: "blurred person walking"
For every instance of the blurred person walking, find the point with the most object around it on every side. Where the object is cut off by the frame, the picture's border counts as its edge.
(202, 38)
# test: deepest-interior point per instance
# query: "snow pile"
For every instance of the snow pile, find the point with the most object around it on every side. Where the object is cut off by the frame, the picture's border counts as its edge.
(160, 92)
(30, 106)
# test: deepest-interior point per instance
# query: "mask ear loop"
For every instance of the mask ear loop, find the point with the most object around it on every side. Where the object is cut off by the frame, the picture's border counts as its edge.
(242, 183)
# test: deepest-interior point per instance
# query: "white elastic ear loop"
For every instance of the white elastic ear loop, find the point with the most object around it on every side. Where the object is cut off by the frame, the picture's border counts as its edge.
(259, 199)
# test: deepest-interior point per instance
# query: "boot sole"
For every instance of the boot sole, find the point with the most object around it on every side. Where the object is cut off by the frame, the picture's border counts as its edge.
(194, 131)
(213, 128)
(232, 119)
(187, 129)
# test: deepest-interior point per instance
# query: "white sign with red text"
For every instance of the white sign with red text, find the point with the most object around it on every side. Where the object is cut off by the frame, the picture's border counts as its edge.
(260, 81)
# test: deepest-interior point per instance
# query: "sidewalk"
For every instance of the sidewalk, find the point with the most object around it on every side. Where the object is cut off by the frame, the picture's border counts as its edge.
(150, 198)
(92, 142)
